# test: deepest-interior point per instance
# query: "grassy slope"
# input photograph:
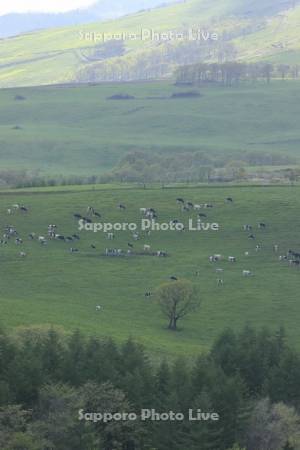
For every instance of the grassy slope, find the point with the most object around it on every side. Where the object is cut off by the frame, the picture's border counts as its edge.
(21, 57)
(76, 130)
(283, 28)
(54, 56)
(54, 287)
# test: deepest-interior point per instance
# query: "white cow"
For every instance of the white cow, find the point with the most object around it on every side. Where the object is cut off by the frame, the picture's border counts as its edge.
(247, 273)
(217, 257)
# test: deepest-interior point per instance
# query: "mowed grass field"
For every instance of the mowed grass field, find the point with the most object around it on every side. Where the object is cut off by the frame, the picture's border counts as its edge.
(51, 286)
(77, 130)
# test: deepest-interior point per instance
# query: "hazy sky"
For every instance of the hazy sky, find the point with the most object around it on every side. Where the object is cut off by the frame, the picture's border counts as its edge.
(9, 6)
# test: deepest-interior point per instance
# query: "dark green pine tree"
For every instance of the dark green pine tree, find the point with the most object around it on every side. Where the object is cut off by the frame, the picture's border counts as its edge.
(162, 386)
(137, 375)
(25, 373)
(224, 352)
(74, 358)
(204, 435)
(7, 355)
(102, 361)
(181, 385)
(230, 399)
(52, 357)
(161, 433)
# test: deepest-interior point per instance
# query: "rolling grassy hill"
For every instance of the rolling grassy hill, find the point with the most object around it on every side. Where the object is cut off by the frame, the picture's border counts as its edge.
(60, 55)
(79, 131)
(51, 286)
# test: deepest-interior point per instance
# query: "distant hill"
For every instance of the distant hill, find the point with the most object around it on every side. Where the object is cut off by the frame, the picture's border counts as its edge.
(245, 30)
(14, 24)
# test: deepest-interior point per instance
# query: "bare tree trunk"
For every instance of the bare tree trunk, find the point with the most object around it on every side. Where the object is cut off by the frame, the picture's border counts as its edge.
(173, 324)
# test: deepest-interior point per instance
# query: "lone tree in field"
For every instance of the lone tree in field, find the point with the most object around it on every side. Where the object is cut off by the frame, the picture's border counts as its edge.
(177, 299)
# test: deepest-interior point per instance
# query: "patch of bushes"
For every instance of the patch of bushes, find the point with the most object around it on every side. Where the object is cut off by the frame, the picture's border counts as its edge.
(19, 97)
(121, 97)
(188, 94)
(27, 179)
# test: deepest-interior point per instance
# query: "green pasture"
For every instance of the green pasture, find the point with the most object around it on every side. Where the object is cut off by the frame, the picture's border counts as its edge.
(51, 286)
(77, 130)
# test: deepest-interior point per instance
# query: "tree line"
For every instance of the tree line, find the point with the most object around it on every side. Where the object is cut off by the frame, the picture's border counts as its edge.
(229, 73)
(173, 166)
(251, 379)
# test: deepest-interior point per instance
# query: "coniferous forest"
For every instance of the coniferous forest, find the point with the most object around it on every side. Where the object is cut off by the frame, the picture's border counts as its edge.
(251, 380)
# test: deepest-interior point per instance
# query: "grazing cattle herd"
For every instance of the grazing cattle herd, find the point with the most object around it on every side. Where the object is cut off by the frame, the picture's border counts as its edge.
(135, 247)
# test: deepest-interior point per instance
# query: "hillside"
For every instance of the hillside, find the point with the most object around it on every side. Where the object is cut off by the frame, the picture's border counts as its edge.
(249, 30)
(79, 130)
